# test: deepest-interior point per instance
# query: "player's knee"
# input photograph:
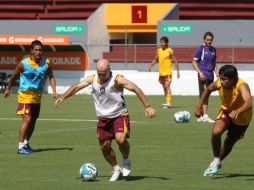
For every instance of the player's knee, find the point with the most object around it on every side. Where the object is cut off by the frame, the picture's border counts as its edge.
(105, 145)
(121, 140)
(216, 133)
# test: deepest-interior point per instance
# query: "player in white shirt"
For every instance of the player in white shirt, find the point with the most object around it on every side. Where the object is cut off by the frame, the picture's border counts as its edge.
(111, 110)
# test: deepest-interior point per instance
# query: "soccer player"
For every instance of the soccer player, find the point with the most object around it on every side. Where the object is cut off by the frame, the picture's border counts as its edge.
(204, 62)
(111, 110)
(33, 72)
(234, 116)
(166, 57)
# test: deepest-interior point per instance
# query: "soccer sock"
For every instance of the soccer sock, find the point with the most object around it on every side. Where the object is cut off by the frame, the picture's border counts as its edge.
(117, 167)
(126, 160)
(21, 144)
(216, 160)
(168, 98)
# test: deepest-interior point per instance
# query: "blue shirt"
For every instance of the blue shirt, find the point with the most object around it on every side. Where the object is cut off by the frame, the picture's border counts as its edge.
(206, 58)
(33, 77)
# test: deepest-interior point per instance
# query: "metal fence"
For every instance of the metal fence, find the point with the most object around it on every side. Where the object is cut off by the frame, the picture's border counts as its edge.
(130, 56)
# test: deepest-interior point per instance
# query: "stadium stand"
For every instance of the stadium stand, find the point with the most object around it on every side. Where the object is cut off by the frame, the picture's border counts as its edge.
(189, 9)
(183, 54)
(82, 9)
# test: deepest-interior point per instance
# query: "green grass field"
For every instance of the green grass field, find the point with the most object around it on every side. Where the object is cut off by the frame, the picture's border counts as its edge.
(165, 155)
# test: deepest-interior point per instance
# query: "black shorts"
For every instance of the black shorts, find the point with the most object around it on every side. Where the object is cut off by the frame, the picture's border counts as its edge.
(235, 132)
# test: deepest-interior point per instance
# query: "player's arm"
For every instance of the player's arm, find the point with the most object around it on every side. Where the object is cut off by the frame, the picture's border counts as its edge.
(216, 71)
(74, 89)
(52, 79)
(124, 83)
(195, 60)
(212, 87)
(195, 66)
(16, 73)
(154, 61)
(176, 63)
(247, 104)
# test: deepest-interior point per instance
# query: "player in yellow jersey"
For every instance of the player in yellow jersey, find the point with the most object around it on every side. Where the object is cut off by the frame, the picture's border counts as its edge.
(165, 56)
(33, 71)
(234, 116)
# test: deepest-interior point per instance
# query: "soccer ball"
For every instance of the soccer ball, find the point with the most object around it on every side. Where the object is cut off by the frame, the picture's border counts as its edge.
(182, 116)
(88, 172)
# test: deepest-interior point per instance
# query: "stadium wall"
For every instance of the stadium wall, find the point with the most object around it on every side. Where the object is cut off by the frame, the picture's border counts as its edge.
(187, 84)
(190, 32)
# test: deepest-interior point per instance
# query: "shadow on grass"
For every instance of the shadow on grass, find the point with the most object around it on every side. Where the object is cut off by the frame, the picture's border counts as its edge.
(233, 175)
(135, 178)
(50, 149)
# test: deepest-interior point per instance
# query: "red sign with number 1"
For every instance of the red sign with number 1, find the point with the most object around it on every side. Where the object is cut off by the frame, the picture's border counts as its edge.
(139, 14)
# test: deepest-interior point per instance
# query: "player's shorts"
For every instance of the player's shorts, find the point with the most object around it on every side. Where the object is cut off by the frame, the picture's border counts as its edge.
(235, 131)
(107, 127)
(32, 110)
(164, 79)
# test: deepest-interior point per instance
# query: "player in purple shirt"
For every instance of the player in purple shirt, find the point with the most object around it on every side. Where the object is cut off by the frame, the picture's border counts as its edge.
(204, 62)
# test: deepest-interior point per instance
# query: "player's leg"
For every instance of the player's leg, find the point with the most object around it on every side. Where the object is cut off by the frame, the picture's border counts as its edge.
(124, 148)
(33, 112)
(201, 87)
(167, 91)
(235, 132)
(218, 129)
(105, 134)
(123, 144)
(206, 118)
(108, 152)
(122, 130)
(30, 128)
(23, 130)
(227, 147)
(110, 156)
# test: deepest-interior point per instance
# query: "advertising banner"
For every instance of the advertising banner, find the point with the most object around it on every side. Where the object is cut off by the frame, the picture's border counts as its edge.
(27, 39)
(74, 61)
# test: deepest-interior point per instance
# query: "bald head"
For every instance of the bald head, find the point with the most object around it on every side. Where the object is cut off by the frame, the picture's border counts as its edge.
(103, 69)
(102, 65)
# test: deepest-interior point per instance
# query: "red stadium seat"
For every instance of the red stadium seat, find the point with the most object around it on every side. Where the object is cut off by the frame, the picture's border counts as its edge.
(64, 15)
(18, 16)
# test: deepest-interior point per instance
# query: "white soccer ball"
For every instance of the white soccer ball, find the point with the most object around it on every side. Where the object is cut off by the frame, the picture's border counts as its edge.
(182, 116)
(88, 172)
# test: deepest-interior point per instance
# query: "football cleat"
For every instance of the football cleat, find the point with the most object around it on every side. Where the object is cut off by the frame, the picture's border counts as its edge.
(24, 150)
(206, 118)
(126, 168)
(212, 169)
(167, 105)
(29, 147)
(200, 119)
(116, 175)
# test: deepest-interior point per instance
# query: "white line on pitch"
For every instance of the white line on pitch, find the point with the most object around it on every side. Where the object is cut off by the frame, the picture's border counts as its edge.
(58, 119)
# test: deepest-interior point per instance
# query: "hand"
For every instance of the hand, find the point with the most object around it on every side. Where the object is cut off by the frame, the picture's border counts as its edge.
(150, 112)
(178, 75)
(202, 76)
(6, 92)
(55, 95)
(59, 101)
(234, 114)
(198, 113)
